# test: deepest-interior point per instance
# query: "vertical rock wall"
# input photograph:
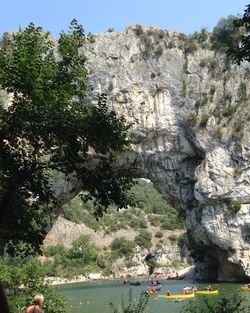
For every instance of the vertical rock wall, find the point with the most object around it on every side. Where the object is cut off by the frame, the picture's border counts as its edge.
(189, 109)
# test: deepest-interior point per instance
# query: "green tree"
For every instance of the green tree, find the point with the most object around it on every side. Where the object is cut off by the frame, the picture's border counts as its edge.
(83, 251)
(123, 247)
(144, 239)
(24, 279)
(225, 34)
(241, 51)
(48, 127)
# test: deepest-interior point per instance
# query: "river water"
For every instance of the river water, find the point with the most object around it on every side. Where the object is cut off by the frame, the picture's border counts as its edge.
(96, 297)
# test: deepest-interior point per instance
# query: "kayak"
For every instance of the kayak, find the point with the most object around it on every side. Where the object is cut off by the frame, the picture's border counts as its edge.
(206, 292)
(245, 288)
(175, 277)
(135, 284)
(177, 296)
(151, 292)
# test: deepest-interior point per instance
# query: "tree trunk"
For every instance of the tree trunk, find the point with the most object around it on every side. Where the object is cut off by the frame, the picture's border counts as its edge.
(4, 308)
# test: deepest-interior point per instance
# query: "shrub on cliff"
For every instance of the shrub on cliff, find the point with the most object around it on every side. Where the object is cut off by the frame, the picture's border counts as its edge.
(241, 51)
(123, 247)
(144, 239)
(225, 35)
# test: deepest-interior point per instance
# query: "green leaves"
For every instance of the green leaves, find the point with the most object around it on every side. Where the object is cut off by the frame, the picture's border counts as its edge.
(242, 51)
(25, 279)
(225, 35)
(47, 127)
(133, 305)
(230, 304)
(123, 247)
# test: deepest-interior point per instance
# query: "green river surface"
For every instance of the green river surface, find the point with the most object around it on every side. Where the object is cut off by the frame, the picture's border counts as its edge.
(95, 297)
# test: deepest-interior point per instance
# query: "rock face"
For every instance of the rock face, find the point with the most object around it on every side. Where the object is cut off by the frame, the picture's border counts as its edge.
(189, 108)
(65, 232)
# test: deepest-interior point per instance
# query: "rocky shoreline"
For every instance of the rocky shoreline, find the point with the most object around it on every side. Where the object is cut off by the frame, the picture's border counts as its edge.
(90, 277)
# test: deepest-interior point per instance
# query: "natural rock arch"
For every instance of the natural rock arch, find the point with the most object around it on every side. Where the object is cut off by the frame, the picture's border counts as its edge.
(202, 170)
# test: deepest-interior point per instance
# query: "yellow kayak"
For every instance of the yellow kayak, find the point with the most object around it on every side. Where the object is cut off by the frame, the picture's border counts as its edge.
(245, 288)
(206, 292)
(151, 292)
(177, 296)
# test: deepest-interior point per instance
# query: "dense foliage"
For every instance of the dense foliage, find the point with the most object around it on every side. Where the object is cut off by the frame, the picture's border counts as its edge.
(24, 280)
(225, 35)
(232, 304)
(47, 127)
(231, 35)
(123, 247)
(80, 258)
(144, 239)
(241, 51)
(149, 208)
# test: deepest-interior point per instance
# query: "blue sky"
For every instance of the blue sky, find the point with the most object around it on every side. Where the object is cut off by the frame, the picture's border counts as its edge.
(99, 15)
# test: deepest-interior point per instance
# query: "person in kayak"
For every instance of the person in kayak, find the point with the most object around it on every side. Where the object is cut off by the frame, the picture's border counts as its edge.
(194, 288)
(209, 288)
(185, 290)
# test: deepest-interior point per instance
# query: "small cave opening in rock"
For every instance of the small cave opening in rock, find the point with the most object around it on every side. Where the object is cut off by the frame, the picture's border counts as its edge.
(151, 261)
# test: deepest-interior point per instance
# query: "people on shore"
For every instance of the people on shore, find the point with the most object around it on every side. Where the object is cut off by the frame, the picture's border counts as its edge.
(36, 306)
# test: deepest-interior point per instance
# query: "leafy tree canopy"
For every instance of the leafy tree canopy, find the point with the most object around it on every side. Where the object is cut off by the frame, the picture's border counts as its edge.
(242, 51)
(225, 35)
(48, 127)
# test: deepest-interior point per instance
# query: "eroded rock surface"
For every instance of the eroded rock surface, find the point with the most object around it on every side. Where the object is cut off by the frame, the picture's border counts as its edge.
(189, 109)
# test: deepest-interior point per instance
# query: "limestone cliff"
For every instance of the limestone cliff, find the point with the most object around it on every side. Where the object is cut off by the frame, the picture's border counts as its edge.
(166, 251)
(189, 108)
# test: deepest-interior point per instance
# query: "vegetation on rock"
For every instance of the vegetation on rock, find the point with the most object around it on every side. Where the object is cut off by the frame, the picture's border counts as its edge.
(154, 212)
(149, 208)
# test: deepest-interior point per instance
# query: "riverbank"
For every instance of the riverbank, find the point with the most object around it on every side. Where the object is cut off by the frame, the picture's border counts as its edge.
(188, 272)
